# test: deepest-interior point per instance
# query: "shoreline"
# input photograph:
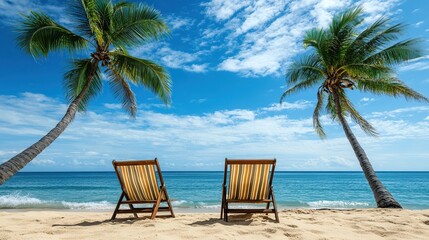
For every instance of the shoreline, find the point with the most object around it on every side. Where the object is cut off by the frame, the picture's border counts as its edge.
(192, 210)
(300, 223)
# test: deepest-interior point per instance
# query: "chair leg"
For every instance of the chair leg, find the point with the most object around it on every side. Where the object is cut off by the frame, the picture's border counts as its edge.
(171, 208)
(117, 206)
(131, 207)
(268, 207)
(226, 212)
(223, 203)
(158, 202)
(169, 203)
(275, 206)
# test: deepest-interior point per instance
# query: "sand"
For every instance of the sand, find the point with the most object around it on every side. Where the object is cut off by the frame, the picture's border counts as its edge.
(294, 224)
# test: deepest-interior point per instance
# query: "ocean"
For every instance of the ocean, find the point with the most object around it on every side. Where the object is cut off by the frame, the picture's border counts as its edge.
(201, 191)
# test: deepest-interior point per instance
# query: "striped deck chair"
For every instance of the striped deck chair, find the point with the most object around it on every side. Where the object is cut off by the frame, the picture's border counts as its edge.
(140, 186)
(250, 181)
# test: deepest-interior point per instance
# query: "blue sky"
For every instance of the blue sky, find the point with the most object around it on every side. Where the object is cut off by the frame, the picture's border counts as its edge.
(227, 60)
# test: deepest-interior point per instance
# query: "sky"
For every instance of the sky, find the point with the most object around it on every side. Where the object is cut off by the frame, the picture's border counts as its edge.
(227, 60)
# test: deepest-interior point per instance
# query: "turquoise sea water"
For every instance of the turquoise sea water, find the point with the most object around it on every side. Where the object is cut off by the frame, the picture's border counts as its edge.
(202, 190)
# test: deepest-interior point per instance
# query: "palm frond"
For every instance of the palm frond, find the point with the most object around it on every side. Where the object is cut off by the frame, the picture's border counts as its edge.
(121, 4)
(136, 25)
(122, 90)
(141, 71)
(364, 70)
(39, 35)
(330, 108)
(316, 114)
(379, 41)
(349, 18)
(397, 53)
(371, 31)
(391, 87)
(305, 84)
(318, 39)
(105, 11)
(342, 34)
(356, 117)
(308, 67)
(76, 78)
(87, 19)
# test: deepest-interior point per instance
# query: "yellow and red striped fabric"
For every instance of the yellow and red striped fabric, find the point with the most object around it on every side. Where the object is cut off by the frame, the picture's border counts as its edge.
(140, 182)
(248, 181)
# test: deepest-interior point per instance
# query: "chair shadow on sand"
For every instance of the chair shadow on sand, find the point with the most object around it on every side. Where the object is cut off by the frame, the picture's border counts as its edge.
(239, 219)
(117, 221)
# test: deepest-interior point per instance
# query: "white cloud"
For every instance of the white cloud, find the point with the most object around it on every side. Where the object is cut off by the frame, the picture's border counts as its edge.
(172, 58)
(262, 36)
(201, 141)
(286, 105)
(113, 105)
(43, 162)
(419, 23)
(10, 11)
(418, 64)
(378, 8)
(324, 10)
(224, 9)
(401, 111)
(365, 99)
(199, 68)
(175, 22)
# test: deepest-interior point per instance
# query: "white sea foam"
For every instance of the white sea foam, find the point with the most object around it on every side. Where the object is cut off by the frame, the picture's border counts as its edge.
(18, 201)
(102, 205)
(178, 203)
(337, 204)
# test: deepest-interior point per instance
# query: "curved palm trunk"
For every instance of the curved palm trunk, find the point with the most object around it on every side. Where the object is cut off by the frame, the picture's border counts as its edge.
(382, 196)
(13, 165)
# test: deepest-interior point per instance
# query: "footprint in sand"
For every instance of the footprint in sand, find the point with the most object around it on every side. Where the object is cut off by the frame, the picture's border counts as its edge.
(270, 230)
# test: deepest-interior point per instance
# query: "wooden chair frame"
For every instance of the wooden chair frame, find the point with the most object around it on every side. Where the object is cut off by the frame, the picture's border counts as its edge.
(156, 203)
(270, 193)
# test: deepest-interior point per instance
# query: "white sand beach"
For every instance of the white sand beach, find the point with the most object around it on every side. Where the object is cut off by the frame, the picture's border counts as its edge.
(294, 224)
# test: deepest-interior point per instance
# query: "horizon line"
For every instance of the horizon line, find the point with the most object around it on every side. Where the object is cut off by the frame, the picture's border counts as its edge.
(291, 171)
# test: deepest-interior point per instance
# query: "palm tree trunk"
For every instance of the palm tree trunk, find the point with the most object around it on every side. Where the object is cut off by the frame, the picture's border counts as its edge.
(16, 163)
(382, 196)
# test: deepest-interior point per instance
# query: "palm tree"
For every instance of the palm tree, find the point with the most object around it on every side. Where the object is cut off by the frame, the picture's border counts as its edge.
(108, 28)
(342, 58)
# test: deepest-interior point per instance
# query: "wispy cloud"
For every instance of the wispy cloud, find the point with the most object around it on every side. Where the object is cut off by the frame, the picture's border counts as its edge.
(286, 105)
(365, 99)
(263, 35)
(176, 22)
(10, 11)
(112, 105)
(43, 162)
(419, 23)
(187, 61)
(418, 64)
(199, 141)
